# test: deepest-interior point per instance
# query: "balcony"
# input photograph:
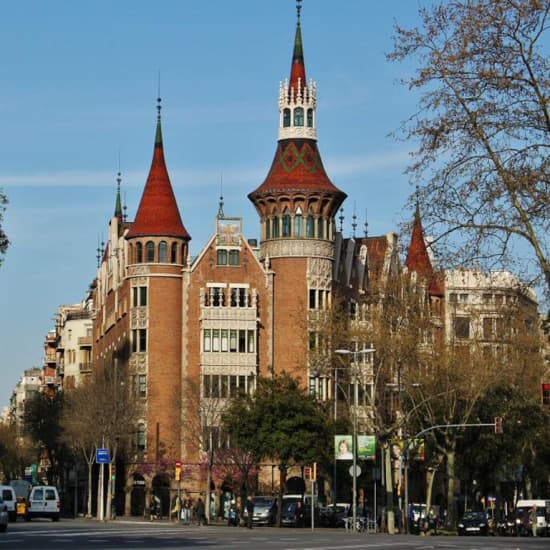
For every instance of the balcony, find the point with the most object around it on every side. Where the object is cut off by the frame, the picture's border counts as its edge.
(85, 367)
(85, 341)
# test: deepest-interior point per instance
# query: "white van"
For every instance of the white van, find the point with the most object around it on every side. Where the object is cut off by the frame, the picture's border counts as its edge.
(10, 500)
(43, 502)
(523, 507)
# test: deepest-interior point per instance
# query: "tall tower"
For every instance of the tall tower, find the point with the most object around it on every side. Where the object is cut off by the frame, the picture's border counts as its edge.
(157, 251)
(297, 204)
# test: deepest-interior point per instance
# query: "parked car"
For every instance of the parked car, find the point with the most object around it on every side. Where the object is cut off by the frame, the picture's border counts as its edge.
(43, 502)
(4, 518)
(474, 523)
(417, 517)
(334, 515)
(508, 525)
(10, 500)
(265, 510)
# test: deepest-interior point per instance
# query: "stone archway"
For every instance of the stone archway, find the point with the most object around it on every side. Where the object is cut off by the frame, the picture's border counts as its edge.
(138, 495)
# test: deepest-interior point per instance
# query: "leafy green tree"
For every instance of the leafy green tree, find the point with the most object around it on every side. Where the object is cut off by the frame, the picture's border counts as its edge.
(281, 422)
(41, 421)
(15, 453)
(4, 242)
(482, 128)
(517, 459)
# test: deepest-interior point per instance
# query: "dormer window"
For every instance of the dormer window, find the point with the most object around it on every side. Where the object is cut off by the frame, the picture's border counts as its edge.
(286, 118)
(299, 116)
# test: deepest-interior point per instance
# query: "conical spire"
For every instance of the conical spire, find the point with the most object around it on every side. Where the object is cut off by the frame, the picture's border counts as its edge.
(118, 205)
(298, 67)
(158, 212)
(418, 259)
(297, 165)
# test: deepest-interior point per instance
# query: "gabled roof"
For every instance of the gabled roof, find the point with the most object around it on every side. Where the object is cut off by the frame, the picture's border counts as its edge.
(158, 213)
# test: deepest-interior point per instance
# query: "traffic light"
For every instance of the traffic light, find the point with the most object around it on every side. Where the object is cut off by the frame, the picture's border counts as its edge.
(545, 389)
(307, 473)
(178, 470)
(314, 475)
(498, 425)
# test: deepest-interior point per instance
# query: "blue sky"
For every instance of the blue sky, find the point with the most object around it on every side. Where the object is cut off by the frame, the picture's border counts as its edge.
(79, 85)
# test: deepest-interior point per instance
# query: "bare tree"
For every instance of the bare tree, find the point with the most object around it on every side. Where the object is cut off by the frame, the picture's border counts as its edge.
(483, 128)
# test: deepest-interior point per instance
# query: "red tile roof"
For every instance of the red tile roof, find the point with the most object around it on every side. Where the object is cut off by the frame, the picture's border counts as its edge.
(158, 212)
(297, 166)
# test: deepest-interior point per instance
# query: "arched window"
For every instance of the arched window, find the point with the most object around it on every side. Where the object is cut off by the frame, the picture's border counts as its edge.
(163, 251)
(286, 118)
(286, 223)
(310, 224)
(139, 253)
(268, 228)
(310, 118)
(320, 228)
(298, 223)
(150, 251)
(298, 116)
(276, 229)
(174, 253)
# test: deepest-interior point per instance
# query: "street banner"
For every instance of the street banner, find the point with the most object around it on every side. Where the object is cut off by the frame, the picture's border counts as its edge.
(366, 447)
(343, 447)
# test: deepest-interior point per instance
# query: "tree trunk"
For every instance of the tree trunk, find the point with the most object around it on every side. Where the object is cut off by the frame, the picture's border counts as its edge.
(451, 508)
(89, 503)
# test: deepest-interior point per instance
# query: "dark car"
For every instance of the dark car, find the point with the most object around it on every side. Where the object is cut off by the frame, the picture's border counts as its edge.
(508, 525)
(474, 523)
(265, 510)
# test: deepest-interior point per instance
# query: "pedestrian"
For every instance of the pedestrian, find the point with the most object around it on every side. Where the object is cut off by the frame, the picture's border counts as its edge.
(533, 519)
(154, 507)
(200, 512)
(299, 514)
(249, 511)
(186, 510)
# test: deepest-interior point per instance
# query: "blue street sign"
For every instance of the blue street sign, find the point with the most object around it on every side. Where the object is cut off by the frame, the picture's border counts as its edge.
(102, 456)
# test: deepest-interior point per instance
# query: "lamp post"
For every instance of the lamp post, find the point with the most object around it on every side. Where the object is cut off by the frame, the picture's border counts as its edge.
(354, 355)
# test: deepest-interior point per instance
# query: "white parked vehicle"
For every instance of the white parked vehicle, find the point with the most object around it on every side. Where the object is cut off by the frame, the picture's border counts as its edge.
(3, 515)
(523, 508)
(43, 502)
(10, 500)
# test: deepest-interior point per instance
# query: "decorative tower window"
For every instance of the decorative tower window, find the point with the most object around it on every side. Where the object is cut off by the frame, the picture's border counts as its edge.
(174, 253)
(310, 118)
(286, 223)
(298, 223)
(150, 251)
(286, 118)
(320, 228)
(163, 252)
(276, 229)
(139, 253)
(310, 224)
(298, 116)
(268, 228)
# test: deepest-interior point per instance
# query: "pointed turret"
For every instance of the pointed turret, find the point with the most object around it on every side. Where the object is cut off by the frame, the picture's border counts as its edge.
(418, 259)
(118, 205)
(297, 183)
(158, 213)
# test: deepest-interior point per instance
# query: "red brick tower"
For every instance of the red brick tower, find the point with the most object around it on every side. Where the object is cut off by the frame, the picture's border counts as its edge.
(157, 251)
(297, 204)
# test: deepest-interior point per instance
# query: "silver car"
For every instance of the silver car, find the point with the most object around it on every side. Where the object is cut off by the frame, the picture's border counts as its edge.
(3, 515)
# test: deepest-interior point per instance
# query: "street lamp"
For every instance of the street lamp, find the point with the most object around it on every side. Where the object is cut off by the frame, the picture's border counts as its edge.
(354, 355)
